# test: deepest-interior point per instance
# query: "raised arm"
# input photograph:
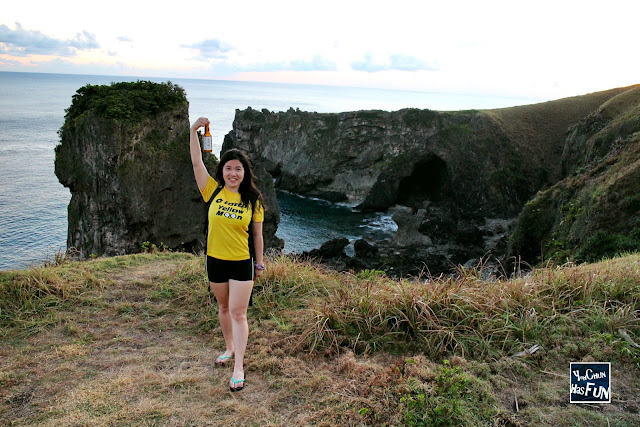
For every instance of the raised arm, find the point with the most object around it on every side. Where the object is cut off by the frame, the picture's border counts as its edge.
(199, 169)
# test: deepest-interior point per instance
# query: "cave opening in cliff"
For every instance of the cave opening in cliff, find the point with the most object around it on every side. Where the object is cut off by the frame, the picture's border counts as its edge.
(427, 182)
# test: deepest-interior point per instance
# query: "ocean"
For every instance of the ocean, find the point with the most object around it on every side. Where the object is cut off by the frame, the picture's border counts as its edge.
(33, 204)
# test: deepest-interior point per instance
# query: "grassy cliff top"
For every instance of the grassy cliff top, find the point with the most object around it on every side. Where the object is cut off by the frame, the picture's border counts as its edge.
(550, 118)
(126, 101)
(542, 128)
(131, 341)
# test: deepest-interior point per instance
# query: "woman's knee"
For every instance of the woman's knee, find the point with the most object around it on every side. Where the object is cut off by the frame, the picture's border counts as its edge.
(239, 314)
(223, 308)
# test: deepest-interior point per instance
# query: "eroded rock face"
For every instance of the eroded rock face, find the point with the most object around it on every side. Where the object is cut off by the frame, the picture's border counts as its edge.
(373, 160)
(443, 174)
(264, 181)
(130, 184)
(129, 171)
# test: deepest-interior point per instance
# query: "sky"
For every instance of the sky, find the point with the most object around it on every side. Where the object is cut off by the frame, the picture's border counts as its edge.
(539, 49)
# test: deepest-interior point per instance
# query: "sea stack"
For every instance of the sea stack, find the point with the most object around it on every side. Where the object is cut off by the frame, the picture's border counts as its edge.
(124, 155)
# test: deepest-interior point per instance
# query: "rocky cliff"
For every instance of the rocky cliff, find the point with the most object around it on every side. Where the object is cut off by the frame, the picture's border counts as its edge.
(594, 211)
(455, 181)
(124, 155)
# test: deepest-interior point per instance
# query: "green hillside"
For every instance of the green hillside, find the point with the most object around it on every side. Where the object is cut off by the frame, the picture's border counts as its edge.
(594, 209)
(541, 129)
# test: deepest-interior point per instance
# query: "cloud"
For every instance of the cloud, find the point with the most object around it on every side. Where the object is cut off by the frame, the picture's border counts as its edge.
(84, 40)
(399, 62)
(409, 63)
(211, 49)
(124, 39)
(367, 64)
(317, 63)
(10, 63)
(21, 42)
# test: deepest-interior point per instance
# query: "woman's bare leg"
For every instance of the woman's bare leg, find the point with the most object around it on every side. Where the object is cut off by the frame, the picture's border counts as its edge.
(221, 291)
(239, 295)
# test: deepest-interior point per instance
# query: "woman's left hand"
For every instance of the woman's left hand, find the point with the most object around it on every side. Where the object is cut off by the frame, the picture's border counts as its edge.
(259, 269)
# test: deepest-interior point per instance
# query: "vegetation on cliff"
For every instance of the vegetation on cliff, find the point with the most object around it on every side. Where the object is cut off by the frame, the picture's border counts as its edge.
(594, 211)
(126, 101)
(131, 341)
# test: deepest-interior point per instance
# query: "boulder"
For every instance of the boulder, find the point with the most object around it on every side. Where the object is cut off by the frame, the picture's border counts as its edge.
(330, 249)
(365, 250)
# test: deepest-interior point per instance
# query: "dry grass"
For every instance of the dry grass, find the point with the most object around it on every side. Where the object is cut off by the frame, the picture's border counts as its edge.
(541, 126)
(131, 341)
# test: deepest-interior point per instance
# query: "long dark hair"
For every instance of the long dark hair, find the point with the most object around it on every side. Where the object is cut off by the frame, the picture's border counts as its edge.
(249, 192)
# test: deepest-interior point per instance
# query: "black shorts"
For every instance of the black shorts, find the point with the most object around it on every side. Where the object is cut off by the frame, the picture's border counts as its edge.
(221, 271)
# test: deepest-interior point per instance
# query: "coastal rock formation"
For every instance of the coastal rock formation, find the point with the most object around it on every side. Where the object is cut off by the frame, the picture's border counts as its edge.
(455, 181)
(124, 155)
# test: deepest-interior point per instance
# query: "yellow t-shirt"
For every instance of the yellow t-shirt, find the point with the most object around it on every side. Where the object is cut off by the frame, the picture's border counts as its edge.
(229, 223)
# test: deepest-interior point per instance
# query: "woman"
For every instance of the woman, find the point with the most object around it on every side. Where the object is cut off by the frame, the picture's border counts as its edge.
(230, 269)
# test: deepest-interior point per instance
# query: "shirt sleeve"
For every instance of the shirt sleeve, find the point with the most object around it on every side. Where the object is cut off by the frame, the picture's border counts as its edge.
(209, 189)
(258, 213)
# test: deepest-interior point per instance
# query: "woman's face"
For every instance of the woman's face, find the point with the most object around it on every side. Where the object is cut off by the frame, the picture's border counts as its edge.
(233, 174)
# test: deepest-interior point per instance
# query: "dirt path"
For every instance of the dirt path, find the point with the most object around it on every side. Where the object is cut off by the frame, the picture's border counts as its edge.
(127, 357)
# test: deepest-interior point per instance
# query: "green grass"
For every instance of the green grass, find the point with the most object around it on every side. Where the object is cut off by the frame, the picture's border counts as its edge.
(125, 101)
